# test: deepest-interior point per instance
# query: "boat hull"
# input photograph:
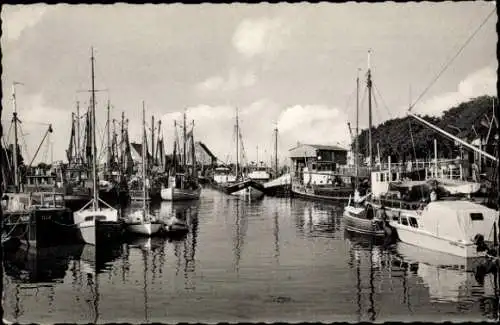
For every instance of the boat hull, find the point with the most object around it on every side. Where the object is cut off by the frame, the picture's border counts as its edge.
(430, 242)
(101, 232)
(177, 194)
(249, 192)
(42, 227)
(100, 226)
(301, 192)
(144, 229)
(353, 221)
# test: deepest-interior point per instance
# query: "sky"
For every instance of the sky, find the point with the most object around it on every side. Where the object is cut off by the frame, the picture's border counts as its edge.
(293, 66)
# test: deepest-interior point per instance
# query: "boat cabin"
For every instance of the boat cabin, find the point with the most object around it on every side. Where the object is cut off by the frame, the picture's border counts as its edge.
(19, 202)
(223, 175)
(259, 173)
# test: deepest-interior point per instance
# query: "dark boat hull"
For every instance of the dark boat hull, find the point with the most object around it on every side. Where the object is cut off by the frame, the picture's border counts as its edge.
(238, 186)
(334, 196)
(42, 227)
(364, 226)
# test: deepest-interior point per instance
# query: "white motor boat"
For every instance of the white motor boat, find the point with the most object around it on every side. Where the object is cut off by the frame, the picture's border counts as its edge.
(142, 223)
(451, 225)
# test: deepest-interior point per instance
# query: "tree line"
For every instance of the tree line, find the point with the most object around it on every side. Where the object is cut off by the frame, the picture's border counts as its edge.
(408, 139)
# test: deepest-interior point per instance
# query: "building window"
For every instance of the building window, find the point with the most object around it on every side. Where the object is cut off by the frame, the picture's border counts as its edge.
(477, 216)
(413, 222)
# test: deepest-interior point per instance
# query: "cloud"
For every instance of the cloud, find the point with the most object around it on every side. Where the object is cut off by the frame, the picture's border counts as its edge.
(20, 17)
(233, 81)
(260, 36)
(35, 116)
(214, 125)
(314, 124)
(478, 83)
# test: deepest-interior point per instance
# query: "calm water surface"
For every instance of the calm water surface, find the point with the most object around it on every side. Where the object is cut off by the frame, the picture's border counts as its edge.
(275, 259)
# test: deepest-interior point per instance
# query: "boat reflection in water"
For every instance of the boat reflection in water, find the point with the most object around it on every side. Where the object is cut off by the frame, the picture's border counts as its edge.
(319, 220)
(184, 211)
(448, 278)
(40, 265)
(368, 259)
(143, 253)
(93, 262)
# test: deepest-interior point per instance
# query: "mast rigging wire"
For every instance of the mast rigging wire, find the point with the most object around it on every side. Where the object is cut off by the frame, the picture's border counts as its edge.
(452, 59)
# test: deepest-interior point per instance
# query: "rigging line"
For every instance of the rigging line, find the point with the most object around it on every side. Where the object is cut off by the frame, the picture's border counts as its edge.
(349, 101)
(383, 101)
(376, 117)
(415, 155)
(24, 143)
(452, 59)
(8, 134)
(360, 106)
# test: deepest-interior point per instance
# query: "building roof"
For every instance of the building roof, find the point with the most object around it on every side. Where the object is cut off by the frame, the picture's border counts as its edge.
(204, 147)
(137, 147)
(320, 147)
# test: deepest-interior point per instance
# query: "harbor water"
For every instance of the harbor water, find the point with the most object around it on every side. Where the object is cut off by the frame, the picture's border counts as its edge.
(270, 260)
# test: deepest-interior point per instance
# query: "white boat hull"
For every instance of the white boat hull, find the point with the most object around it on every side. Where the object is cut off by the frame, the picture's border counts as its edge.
(146, 228)
(177, 194)
(428, 241)
(97, 225)
(249, 192)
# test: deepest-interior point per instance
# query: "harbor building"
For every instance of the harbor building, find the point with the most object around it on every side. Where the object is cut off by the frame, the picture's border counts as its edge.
(320, 159)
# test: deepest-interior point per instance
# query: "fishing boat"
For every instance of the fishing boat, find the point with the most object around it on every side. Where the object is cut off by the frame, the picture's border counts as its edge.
(33, 212)
(245, 189)
(238, 184)
(358, 216)
(37, 219)
(320, 181)
(183, 183)
(141, 222)
(96, 223)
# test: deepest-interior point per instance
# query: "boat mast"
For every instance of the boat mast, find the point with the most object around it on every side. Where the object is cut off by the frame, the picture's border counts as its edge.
(276, 149)
(184, 143)
(152, 140)
(94, 152)
(159, 151)
(237, 145)
(15, 120)
(369, 85)
(122, 144)
(108, 141)
(193, 153)
(356, 144)
(454, 138)
(78, 153)
(144, 153)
